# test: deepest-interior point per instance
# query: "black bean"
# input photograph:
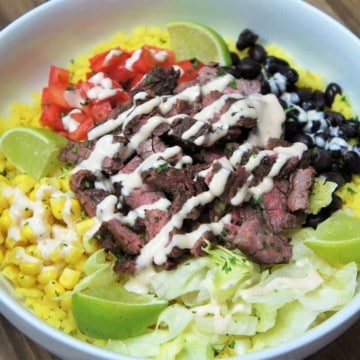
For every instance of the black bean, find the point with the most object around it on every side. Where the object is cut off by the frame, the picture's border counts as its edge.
(304, 94)
(258, 53)
(315, 220)
(318, 99)
(291, 128)
(335, 118)
(336, 203)
(291, 75)
(334, 176)
(275, 60)
(234, 71)
(348, 130)
(249, 68)
(352, 162)
(246, 39)
(330, 92)
(303, 138)
(321, 160)
(235, 59)
(265, 88)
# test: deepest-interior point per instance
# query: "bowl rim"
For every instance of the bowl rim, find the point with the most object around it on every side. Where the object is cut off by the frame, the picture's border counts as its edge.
(346, 316)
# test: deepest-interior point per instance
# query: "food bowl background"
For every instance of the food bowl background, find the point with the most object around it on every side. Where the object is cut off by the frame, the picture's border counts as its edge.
(61, 29)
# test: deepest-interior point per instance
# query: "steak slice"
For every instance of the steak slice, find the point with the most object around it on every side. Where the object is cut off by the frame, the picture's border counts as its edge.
(256, 241)
(117, 238)
(301, 182)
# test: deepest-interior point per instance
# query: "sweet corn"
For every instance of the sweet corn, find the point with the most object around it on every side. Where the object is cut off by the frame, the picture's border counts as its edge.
(11, 272)
(4, 202)
(74, 256)
(1, 255)
(2, 240)
(30, 268)
(80, 264)
(57, 207)
(9, 166)
(69, 278)
(47, 275)
(56, 256)
(33, 250)
(11, 243)
(84, 226)
(65, 183)
(27, 233)
(25, 280)
(24, 182)
(5, 221)
(90, 245)
(53, 289)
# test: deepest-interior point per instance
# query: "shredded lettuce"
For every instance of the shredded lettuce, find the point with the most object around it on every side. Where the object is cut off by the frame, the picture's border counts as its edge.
(224, 305)
(321, 195)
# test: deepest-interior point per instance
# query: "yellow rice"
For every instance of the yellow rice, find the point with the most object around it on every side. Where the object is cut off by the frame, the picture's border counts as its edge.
(57, 312)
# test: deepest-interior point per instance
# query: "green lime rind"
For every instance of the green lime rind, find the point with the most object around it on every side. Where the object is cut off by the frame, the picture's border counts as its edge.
(112, 312)
(32, 150)
(190, 39)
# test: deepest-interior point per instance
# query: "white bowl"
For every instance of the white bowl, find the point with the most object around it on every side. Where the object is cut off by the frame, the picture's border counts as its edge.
(61, 29)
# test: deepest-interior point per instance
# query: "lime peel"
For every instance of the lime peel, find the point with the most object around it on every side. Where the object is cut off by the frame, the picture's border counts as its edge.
(190, 39)
(32, 150)
(111, 312)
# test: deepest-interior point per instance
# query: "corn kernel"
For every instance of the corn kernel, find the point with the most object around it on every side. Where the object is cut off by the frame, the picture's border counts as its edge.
(1, 255)
(74, 256)
(65, 183)
(4, 202)
(53, 289)
(11, 272)
(51, 181)
(2, 240)
(25, 280)
(47, 275)
(90, 245)
(56, 256)
(27, 233)
(5, 221)
(69, 278)
(83, 226)
(34, 251)
(80, 264)
(57, 207)
(30, 268)
(75, 210)
(3, 180)
(12, 256)
(11, 243)
(24, 182)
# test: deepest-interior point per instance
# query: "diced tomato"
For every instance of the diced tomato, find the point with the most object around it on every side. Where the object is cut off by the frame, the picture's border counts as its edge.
(145, 60)
(162, 57)
(56, 95)
(58, 75)
(108, 60)
(81, 132)
(190, 70)
(100, 111)
(51, 116)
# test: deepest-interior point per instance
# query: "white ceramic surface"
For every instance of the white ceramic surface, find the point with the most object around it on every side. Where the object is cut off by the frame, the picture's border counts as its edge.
(61, 29)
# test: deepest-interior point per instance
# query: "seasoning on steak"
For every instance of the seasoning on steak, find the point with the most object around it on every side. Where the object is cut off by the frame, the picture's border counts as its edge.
(187, 162)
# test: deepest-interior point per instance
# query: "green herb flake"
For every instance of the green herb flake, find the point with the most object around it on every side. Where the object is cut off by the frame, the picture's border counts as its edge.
(194, 62)
(74, 149)
(351, 190)
(232, 344)
(220, 72)
(225, 231)
(161, 168)
(276, 248)
(233, 84)
(229, 147)
(87, 184)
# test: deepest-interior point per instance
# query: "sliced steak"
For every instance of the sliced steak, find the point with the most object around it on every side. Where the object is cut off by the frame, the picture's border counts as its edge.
(117, 238)
(143, 195)
(75, 152)
(301, 182)
(256, 241)
(155, 219)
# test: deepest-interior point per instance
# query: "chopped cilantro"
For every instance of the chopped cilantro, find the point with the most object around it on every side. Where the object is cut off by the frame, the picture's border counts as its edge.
(224, 231)
(194, 62)
(162, 167)
(232, 344)
(229, 147)
(275, 247)
(87, 184)
(220, 72)
(257, 201)
(233, 84)
(74, 149)
(351, 190)
(265, 245)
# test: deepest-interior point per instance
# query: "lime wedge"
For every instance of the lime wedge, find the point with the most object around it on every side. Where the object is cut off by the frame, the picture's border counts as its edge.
(193, 40)
(337, 239)
(111, 312)
(32, 150)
